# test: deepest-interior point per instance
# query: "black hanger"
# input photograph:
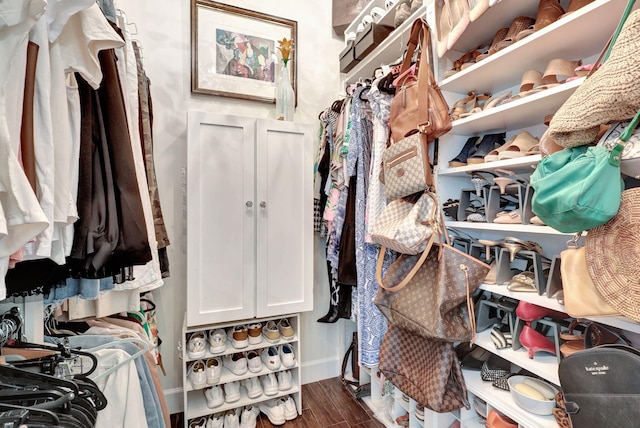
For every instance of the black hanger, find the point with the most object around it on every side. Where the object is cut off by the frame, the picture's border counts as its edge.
(152, 308)
(65, 352)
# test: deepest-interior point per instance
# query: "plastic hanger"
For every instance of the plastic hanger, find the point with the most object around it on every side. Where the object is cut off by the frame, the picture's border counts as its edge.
(139, 342)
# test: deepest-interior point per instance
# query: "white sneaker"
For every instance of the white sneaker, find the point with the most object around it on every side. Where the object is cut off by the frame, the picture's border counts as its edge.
(284, 380)
(269, 384)
(290, 410)
(255, 333)
(249, 416)
(274, 409)
(213, 370)
(236, 363)
(252, 385)
(287, 357)
(196, 345)
(215, 421)
(286, 330)
(231, 392)
(239, 336)
(270, 358)
(196, 375)
(214, 396)
(271, 332)
(254, 362)
(217, 341)
(231, 419)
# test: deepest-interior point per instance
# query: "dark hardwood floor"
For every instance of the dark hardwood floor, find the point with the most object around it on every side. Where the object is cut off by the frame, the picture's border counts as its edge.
(324, 404)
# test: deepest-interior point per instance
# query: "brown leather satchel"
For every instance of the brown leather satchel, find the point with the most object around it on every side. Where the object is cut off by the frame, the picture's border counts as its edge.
(418, 104)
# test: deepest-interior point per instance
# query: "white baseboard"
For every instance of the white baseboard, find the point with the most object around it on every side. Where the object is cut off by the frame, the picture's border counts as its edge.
(312, 371)
(175, 401)
(317, 370)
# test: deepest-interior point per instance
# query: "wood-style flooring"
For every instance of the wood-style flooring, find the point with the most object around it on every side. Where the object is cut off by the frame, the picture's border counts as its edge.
(324, 404)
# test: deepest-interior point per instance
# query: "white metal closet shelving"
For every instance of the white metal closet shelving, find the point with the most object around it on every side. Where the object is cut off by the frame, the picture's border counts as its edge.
(579, 35)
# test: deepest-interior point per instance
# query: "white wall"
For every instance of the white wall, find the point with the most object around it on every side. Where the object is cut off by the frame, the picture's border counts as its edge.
(164, 33)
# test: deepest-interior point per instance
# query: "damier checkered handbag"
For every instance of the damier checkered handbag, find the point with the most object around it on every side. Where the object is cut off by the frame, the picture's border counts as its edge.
(426, 370)
(404, 226)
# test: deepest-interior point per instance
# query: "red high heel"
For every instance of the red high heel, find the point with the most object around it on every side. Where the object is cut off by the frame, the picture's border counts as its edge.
(529, 312)
(535, 341)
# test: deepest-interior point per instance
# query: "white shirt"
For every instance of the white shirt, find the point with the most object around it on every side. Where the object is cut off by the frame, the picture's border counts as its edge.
(23, 218)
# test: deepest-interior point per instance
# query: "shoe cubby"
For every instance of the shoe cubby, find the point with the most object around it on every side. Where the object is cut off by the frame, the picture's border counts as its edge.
(515, 195)
(196, 405)
(524, 260)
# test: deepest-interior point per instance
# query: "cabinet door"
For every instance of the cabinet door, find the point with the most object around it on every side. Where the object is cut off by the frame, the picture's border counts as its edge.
(284, 185)
(220, 218)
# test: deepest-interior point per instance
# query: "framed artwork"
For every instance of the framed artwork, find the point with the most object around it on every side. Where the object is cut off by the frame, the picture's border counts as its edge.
(234, 51)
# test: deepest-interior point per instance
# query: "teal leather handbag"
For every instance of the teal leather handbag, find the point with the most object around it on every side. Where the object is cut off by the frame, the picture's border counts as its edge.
(579, 188)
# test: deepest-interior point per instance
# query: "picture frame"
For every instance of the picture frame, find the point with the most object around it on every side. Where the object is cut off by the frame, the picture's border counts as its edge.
(234, 51)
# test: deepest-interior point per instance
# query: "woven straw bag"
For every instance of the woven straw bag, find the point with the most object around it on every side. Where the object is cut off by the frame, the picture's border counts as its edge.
(610, 94)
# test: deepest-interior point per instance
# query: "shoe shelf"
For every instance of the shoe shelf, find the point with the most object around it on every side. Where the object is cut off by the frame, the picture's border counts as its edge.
(521, 165)
(501, 400)
(544, 365)
(512, 228)
(388, 51)
(518, 114)
(198, 403)
(195, 403)
(579, 35)
(228, 376)
(621, 322)
(231, 350)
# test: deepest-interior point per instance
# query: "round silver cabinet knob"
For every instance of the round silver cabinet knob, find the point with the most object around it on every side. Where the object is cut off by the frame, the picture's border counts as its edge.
(249, 204)
(263, 204)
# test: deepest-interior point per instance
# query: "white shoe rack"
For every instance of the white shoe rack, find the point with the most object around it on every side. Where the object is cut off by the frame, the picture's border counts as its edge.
(195, 404)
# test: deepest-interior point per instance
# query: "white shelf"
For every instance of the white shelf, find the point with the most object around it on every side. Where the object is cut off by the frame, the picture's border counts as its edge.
(518, 114)
(524, 164)
(496, 227)
(366, 10)
(576, 36)
(198, 403)
(501, 400)
(231, 350)
(543, 364)
(551, 303)
(387, 52)
(227, 376)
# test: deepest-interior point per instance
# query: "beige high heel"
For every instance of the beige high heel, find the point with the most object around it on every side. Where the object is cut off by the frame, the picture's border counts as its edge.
(511, 178)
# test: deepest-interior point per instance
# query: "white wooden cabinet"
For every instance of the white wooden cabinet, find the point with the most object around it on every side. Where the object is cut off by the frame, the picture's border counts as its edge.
(249, 218)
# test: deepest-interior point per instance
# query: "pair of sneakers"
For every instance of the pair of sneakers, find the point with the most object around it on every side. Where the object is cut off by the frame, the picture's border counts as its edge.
(273, 331)
(279, 410)
(244, 335)
(275, 356)
(203, 373)
(239, 363)
(217, 395)
(271, 383)
(235, 418)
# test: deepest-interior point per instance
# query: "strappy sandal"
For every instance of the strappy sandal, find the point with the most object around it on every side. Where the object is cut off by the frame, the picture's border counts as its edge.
(496, 100)
(480, 103)
(465, 61)
(475, 212)
(480, 181)
(523, 281)
(463, 105)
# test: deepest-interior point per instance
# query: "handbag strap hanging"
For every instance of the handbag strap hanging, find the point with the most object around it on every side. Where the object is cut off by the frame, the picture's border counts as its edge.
(606, 51)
